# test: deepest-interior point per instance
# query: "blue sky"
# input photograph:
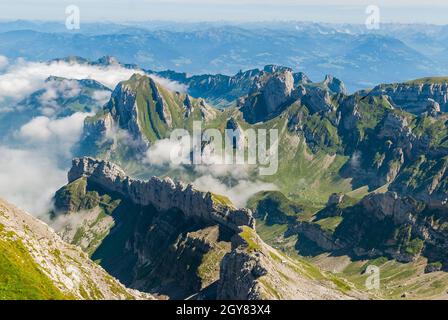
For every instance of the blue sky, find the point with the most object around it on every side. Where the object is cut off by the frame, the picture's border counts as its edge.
(350, 11)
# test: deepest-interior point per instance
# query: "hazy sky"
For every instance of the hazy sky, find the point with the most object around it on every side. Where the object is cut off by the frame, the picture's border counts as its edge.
(352, 11)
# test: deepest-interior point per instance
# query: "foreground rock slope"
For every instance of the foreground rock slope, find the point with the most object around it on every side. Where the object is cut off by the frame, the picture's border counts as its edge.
(35, 263)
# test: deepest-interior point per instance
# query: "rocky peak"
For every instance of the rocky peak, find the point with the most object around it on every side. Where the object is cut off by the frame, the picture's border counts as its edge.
(271, 68)
(253, 271)
(269, 93)
(107, 61)
(301, 78)
(278, 90)
(334, 85)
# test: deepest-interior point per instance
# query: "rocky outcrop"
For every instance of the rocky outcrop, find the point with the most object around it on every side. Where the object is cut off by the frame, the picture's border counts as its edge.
(268, 95)
(433, 108)
(163, 194)
(208, 113)
(413, 96)
(334, 84)
(253, 270)
(322, 238)
(278, 90)
(188, 105)
(124, 110)
(335, 199)
(97, 128)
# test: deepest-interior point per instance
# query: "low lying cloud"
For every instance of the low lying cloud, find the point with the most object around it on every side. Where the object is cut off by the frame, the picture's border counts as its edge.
(53, 135)
(161, 153)
(3, 62)
(101, 96)
(35, 163)
(29, 179)
(212, 176)
(24, 77)
(170, 85)
(238, 193)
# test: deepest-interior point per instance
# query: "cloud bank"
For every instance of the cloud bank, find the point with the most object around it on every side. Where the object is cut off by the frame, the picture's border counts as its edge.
(36, 165)
(3, 62)
(24, 77)
(230, 180)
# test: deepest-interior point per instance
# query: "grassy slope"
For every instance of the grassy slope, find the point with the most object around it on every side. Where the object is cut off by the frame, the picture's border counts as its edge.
(20, 276)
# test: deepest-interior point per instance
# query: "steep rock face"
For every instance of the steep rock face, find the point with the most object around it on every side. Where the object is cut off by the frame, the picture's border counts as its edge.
(161, 107)
(269, 93)
(254, 270)
(317, 99)
(278, 90)
(398, 227)
(42, 266)
(163, 194)
(334, 84)
(413, 96)
(123, 108)
(131, 104)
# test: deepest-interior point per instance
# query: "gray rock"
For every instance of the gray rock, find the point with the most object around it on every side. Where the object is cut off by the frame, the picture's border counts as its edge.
(163, 194)
(413, 97)
(335, 199)
(278, 90)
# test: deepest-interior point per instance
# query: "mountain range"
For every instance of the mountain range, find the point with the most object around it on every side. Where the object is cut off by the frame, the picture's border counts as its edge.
(361, 182)
(363, 58)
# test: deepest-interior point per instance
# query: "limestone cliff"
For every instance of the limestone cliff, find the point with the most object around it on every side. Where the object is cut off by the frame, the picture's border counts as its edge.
(163, 194)
(414, 96)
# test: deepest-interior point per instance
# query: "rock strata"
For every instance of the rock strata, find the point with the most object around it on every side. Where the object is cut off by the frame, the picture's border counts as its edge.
(163, 194)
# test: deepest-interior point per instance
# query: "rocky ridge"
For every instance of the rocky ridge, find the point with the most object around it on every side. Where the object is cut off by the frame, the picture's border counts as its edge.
(163, 194)
(414, 96)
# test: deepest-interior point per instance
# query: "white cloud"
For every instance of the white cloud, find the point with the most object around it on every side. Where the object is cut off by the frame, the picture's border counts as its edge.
(43, 129)
(24, 77)
(170, 85)
(162, 152)
(29, 178)
(238, 193)
(36, 166)
(3, 62)
(101, 96)
(210, 176)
